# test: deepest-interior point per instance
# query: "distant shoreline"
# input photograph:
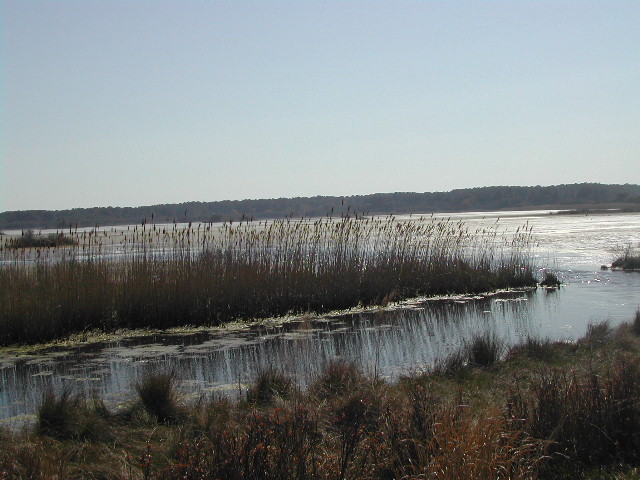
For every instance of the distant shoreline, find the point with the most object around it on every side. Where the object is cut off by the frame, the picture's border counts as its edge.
(576, 198)
(582, 210)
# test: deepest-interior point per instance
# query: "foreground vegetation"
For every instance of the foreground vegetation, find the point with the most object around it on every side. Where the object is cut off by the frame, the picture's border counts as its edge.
(542, 410)
(202, 275)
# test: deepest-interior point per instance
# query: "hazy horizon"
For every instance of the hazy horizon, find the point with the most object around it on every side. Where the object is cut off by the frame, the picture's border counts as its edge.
(313, 196)
(134, 104)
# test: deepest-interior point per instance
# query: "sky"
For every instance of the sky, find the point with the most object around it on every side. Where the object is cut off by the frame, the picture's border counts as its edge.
(127, 103)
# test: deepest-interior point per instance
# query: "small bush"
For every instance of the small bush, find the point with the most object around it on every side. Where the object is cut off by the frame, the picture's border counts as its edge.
(158, 396)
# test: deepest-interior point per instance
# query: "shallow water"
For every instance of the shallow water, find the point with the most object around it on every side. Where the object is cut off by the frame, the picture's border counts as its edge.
(386, 343)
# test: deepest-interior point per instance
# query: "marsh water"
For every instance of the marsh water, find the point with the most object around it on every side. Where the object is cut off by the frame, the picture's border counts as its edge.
(386, 342)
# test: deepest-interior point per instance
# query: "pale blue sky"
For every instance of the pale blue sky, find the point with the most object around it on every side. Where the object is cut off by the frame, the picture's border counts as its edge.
(128, 103)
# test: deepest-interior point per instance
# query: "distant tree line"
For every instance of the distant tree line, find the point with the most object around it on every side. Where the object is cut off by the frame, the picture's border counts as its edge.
(472, 199)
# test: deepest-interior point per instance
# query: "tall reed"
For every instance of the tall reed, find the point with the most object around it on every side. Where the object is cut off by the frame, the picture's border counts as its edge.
(165, 276)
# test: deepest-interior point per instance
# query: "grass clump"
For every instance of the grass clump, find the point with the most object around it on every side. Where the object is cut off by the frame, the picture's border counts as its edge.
(534, 348)
(339, 378)
(635, 325)
(58, 415)
(484, 350)
(591, 417)
(269, 385)
(451, 364)
(158, 396)
(66, 416)
(597, 332)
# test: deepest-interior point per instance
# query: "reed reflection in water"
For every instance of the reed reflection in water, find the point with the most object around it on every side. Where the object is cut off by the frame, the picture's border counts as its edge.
(385, 343)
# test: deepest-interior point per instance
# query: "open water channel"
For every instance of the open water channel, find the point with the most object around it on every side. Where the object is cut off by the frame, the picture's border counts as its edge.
(386, 342)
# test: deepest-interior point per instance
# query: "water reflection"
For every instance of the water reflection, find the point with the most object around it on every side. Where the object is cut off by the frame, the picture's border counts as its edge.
(385, 343)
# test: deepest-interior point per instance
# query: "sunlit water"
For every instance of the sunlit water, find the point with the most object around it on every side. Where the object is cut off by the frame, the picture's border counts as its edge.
(386, 343)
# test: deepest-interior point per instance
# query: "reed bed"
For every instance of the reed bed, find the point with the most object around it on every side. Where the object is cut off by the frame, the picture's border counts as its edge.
(167, 276)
